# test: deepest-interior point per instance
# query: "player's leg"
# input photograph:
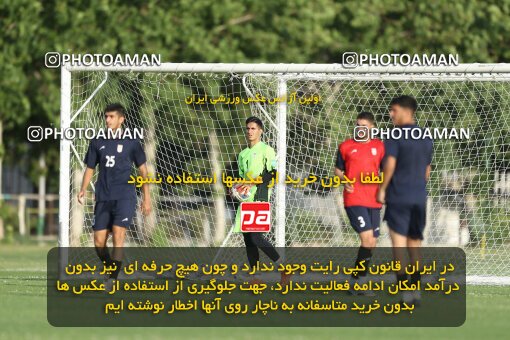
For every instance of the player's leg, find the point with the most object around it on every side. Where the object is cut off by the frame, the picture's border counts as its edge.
(263, 244)
(362, 222)
(253, 242)
(253, 256)
(123, 213)
(413, 246)
(417, 226)
(100, 238)
(368, 243)
(251, 250)
(399, 247)
(102, 222)
(369, 238)
(119, 236)
(398, 217)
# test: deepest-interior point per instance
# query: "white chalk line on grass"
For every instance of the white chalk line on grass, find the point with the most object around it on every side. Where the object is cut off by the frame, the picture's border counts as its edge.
(32, 270)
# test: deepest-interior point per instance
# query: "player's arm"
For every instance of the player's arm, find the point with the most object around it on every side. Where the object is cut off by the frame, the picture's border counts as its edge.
(140, 161)
(340, 170)
(87, 177)
(245, 188)
(269, 171)
(389, 165)
(339, 173)
(388, 171)
(429, 159)
(146, 202)
(427, 172)
(91, 160)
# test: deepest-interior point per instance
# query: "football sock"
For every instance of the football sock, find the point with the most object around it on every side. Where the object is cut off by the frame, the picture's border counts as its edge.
(363, 254)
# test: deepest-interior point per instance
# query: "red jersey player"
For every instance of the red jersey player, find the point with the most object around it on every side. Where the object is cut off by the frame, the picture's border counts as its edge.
(358, 158)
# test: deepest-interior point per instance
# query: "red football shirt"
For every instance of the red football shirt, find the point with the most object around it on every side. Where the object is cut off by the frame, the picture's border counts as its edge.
(361, 159)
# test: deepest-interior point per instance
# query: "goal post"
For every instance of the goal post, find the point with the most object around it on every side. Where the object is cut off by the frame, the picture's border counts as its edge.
(282, 165)
(65, 160)
(469, 195)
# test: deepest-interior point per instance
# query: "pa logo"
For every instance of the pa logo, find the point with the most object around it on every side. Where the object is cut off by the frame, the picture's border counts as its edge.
(256, 217)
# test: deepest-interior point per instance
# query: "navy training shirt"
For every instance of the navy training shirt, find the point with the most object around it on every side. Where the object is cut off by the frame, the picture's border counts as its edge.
(115, 158)
(408, 184)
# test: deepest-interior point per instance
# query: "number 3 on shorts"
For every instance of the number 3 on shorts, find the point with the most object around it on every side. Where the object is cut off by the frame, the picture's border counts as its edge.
(361, 221)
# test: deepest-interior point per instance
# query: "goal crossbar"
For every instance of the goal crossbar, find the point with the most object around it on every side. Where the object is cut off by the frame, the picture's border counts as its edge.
(294, 68)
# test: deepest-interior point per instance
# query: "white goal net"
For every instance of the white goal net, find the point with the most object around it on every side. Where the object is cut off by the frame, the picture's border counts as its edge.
(193, 120)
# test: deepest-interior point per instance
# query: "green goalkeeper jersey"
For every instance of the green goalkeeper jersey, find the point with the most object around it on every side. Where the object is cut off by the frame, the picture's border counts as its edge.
(252, 162)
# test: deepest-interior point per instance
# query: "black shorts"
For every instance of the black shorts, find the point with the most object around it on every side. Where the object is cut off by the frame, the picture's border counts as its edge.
(363, 219)
(406, 219)
(110, 213)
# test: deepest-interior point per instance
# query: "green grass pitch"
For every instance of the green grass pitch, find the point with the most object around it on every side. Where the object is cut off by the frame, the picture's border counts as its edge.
(23, 313)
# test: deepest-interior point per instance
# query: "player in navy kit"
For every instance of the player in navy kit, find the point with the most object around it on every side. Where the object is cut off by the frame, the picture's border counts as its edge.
(115, 198)
(406, 172)
(356, 158)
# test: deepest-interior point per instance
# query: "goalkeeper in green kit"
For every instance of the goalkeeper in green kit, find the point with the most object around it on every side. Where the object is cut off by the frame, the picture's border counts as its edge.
(258, 159)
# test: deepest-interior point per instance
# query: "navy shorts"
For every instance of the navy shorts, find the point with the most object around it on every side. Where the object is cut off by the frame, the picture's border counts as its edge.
(363, 219)
(110, 213)
(406, 219)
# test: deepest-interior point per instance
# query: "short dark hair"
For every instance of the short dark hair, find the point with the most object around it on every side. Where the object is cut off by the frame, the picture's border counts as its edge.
(255, 120)
(116, 107)
(406, 102)
(367, 116)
